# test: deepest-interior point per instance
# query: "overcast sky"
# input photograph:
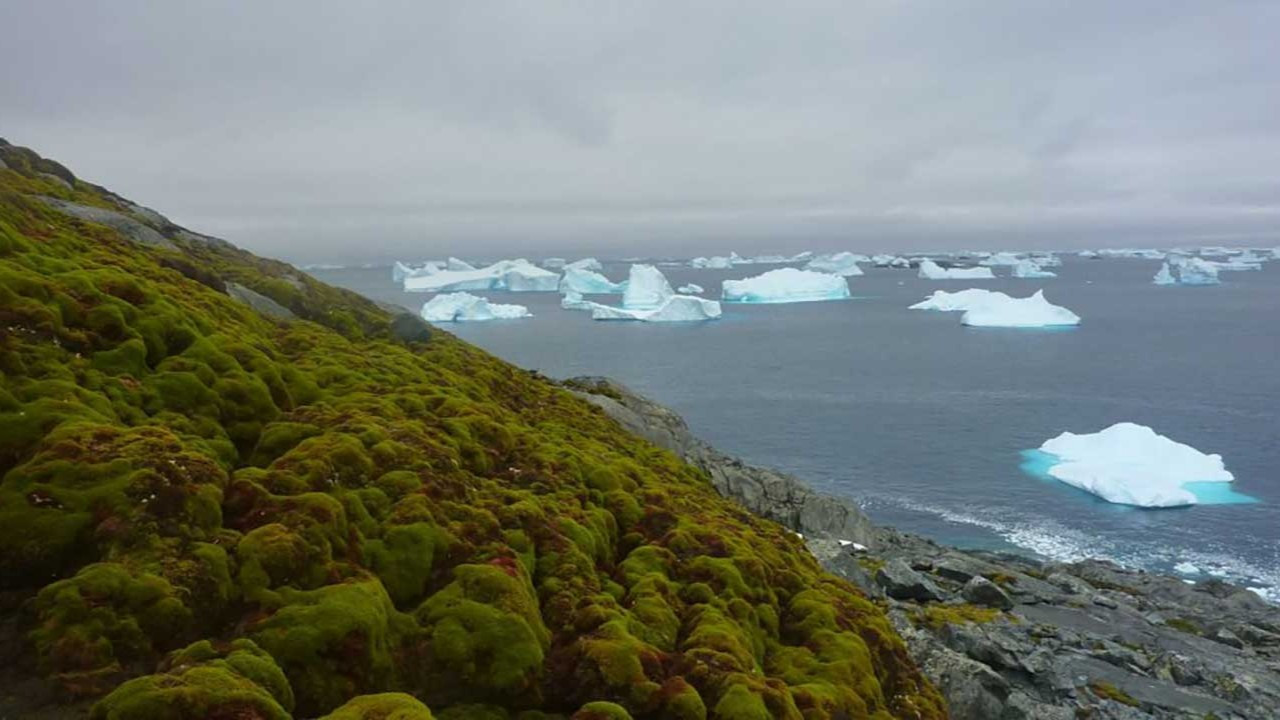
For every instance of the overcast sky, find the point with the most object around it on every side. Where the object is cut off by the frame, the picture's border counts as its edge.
(363, 131)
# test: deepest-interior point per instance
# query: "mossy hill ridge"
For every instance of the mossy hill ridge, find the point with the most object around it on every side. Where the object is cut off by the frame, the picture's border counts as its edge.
(231, 491)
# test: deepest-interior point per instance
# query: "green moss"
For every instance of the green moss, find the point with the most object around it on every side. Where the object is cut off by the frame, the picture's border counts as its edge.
(384, 706)
(1108, 691)
(374, 515)
(935, 616)
(601, 710)
(1186, 625)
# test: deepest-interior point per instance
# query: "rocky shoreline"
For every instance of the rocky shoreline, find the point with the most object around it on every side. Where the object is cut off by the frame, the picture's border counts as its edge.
(1004, 636)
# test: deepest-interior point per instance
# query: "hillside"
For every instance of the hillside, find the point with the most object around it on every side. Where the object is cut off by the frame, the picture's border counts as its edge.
(231, 491)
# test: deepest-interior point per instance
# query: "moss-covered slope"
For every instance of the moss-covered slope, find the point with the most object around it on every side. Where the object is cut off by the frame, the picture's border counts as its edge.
(207, 511)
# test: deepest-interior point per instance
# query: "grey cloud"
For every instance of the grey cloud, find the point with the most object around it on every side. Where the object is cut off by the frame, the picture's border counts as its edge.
(354, 131)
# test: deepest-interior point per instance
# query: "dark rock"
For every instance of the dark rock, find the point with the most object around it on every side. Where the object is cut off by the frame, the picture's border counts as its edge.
(408, 327)
(1226, 637)
(192, 271)
(981, 591)
(900, 582)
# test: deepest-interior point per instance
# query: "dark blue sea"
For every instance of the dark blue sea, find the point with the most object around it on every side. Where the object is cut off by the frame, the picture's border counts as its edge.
(925, 422)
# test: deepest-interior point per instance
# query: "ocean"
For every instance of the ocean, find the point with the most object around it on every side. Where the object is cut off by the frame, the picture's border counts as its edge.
(926, 423)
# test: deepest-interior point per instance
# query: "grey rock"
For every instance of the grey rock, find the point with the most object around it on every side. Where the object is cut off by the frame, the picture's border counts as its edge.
(56, 180)
(1104, 601)
(259, 302)
(981, 591)
(1021, 706)
(3, 165)
(121, 223)
(1226, 637)
(902, 583)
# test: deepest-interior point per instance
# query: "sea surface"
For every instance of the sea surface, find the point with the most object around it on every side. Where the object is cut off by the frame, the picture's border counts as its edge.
(925, 423)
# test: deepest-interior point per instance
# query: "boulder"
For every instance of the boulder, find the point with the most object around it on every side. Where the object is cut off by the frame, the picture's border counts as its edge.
(981, 591)
(900, 582)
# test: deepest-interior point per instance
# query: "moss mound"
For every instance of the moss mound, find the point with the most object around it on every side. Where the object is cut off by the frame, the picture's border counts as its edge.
(210, 512)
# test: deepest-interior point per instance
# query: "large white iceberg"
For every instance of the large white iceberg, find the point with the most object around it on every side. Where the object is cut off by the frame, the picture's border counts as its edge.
(1131, 464)
(400, 271)
(456, 265)
(930, 270)
(675, 308)
(465, 307)
(1000, 310)
(647, 288)
(515, 275)
(588, 282)
(785, 285)
(1029, 269)
(944, 301)
(841, 263)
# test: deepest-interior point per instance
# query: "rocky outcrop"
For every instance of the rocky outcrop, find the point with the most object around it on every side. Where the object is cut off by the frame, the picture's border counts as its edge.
(765, 492)
(259, 302)
(128, 226)
(1007, 637)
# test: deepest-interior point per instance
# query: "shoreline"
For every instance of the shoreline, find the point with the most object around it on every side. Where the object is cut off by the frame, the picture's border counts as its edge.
(1004, 635)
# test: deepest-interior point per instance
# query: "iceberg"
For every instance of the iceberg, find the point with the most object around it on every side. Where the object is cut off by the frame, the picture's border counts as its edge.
(514, 275)
(890, 261)
(785, 285)
(1029, 269)
(1001, 259)
(1131, 464)
(1000, 310)
(675, 308)
(588, 282)
(1135, 253)
(929, 270)
(400, 271)
(718, 262)
(1088, 254)
(456, 265)
(553, 263)
(841, 263)
(1237, 263)
(465, 307)
(1181, 270)
(590, 263)
(944, 301)
(690, 289)
(647, 288)
(574, 301)
(1045, 260)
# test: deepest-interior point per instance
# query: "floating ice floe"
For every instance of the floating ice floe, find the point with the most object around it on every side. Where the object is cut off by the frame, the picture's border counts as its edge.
(892, 261)
(515, 275)
(785, 285)
(690, 289)
(1000, 310)
(676, 308)
(1088, 254)
(400, 271)
(590, 263)
(930, 270)
(1001, 259)
(465, 307)
(1131, 464)
(1181, 270)
(944, 301)
(717, 262)
(1029, 269)
(578, 280)
(841, 263)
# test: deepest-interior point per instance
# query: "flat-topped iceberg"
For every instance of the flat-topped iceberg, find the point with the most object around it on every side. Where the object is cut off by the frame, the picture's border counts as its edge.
(590, 263)
(717, 262)
(676, 308)
(465, 307)
(690, 289)
(841, 263)
(893, 261)
(785, 285)
(1027, 268)
(929, 270)
(1134, 253)
(1000, 310)
(514, 275)
(588, 282)
(647, 288)
(944, 301)
(400, 271)
(1131, 464)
